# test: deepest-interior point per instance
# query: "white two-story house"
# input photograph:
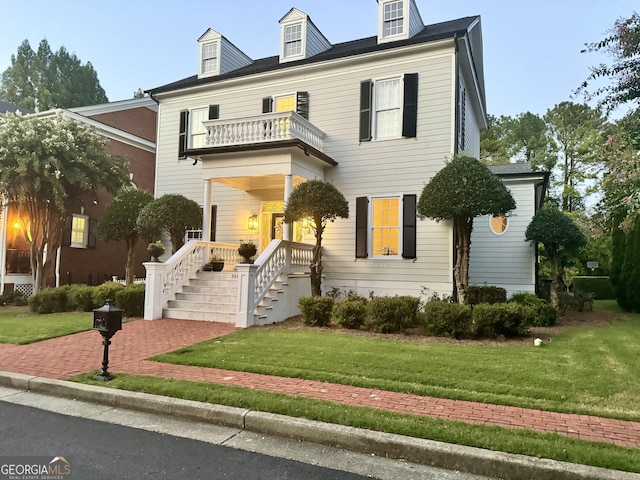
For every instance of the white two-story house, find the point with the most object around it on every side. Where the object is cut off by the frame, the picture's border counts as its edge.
(377, 117)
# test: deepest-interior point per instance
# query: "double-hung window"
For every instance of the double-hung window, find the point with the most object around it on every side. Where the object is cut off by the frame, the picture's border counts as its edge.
(389, 107)
(209, 58)
(387, 121)
(79, 231)
(197, 132)
(392, 19)
(292, 40)
(386, 226)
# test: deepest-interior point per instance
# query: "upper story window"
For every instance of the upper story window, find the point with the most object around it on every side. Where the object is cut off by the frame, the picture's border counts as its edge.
(79, 231)
(286, 103)
(292, 40)
(392, 19)
(389, 108)
(295, 102)
(209, 58)
(197, 132)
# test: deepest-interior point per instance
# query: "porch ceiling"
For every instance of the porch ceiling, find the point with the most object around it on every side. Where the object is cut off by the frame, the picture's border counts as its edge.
(258, 182)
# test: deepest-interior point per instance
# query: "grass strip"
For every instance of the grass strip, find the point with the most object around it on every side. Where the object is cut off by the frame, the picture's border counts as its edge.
(19, 326)
(518, 441)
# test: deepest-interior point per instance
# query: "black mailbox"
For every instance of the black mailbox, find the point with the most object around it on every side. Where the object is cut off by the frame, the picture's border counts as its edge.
(107, 318)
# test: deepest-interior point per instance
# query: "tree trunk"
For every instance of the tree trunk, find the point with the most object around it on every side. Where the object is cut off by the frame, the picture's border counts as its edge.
(554, 293)
(462, 235)
(316, 265)
(131, 261)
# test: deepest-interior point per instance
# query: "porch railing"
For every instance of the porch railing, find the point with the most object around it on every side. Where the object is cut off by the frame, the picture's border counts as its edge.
(269, 127)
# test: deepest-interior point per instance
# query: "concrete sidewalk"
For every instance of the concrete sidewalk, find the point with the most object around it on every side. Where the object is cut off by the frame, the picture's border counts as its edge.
(80, 353)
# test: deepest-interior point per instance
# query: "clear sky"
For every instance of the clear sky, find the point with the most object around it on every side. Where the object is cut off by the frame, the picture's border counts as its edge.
(531, 48)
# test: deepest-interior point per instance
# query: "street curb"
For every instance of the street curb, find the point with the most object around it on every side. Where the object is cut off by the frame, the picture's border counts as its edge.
(427, 452)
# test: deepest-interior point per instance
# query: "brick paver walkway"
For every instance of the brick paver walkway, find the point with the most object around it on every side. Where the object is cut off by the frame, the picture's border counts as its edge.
(67, 356)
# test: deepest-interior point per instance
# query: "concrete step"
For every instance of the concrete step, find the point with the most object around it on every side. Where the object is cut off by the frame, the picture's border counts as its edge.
(207, 289)
(198, 315)
(202, 306)
(213, 297)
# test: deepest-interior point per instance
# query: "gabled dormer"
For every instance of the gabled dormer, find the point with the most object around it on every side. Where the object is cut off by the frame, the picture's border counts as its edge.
(217, 55)
(299, 37)
(398, 20)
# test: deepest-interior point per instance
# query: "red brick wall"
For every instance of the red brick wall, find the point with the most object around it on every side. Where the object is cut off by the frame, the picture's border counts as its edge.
(137, 121)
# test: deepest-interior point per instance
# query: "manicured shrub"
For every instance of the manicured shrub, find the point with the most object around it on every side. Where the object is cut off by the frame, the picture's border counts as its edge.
(576, 300)
(49, 300)
(131, 300)
(351, 312)
(15, 298)
(493, 320)
(539, 312)
(392, 314)
(80, 297)
(316, 311)
(107, 290)
(600, 287)
(445, 319)
(488, 294)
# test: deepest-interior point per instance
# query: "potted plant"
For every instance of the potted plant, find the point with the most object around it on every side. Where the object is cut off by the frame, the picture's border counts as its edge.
(155, 249)
(215, 264)
(247, 250)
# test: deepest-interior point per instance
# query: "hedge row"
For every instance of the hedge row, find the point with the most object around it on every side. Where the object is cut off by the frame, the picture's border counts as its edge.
(84, 298)
(438, 317)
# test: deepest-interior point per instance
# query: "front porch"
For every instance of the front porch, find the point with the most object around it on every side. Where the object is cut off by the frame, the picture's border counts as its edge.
(263, 292)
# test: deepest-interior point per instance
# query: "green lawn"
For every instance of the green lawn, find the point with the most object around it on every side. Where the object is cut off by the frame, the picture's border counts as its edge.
(585, 370)
(19, 326)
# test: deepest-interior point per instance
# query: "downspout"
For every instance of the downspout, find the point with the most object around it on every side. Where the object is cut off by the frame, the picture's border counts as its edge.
(456, 101)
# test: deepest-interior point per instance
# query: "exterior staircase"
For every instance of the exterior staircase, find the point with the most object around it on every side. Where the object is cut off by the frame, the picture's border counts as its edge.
(209, 296)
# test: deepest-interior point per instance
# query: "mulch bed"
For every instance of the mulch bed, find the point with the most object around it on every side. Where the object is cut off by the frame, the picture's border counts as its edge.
(571, 319)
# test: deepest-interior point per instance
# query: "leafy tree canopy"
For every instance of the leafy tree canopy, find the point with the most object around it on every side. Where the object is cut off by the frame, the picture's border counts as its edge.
(172, 212)
(464, 188)
(44, 79)
(558, 234)
(623, 44)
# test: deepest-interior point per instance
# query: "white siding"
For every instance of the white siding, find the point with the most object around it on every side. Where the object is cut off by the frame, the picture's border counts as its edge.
(416, 25)
(231, 58)
(506, 260)
(315, 41)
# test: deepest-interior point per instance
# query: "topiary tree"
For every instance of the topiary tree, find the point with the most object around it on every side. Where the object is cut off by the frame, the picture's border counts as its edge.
(171, 212)
(560, 238)
(462, 190)
(321, 202)
(119, 223)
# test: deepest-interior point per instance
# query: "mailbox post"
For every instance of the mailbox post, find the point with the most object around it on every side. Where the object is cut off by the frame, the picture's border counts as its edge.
(107, 320)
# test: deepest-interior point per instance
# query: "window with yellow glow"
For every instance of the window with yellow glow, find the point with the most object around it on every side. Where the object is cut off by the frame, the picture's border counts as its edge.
(79, 229)
(385, 226)
(499, 224)
(286, 104)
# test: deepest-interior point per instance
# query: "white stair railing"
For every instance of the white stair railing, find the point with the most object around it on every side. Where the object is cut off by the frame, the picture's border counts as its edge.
(163, 280)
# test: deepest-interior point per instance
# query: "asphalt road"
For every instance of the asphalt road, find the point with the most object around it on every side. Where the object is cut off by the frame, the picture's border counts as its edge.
(98, 450)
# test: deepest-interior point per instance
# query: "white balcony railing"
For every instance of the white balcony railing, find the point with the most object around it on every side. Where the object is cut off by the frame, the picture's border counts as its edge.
(269, 127)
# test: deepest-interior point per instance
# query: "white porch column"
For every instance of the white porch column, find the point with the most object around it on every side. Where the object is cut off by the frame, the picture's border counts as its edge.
(206, 211)
(288, 188)
(153, 291)
(246, 292)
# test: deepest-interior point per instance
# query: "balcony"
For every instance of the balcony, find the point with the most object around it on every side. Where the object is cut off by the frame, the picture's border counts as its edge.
(269, 128)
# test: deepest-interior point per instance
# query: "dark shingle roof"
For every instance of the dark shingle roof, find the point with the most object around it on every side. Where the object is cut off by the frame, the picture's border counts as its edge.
(10, 107)
(430, 33)
(511, 168)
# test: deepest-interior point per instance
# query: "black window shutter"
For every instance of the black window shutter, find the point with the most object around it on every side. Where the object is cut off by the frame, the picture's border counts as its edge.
(267, 105)
(410, 107)
(362, 213)
(182, 138)
(91, 239)
(214, 219)
(66, 232)
(302, 104)
(214, 112)
(409, 226)
(365, 111)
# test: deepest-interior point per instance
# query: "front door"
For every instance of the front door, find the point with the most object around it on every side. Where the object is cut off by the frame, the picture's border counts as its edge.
(277, 222)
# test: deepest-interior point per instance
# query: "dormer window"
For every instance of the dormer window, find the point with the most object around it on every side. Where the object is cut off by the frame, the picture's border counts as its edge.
(398, 20)
(292, 40)
(393, 19)
(209, 58)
